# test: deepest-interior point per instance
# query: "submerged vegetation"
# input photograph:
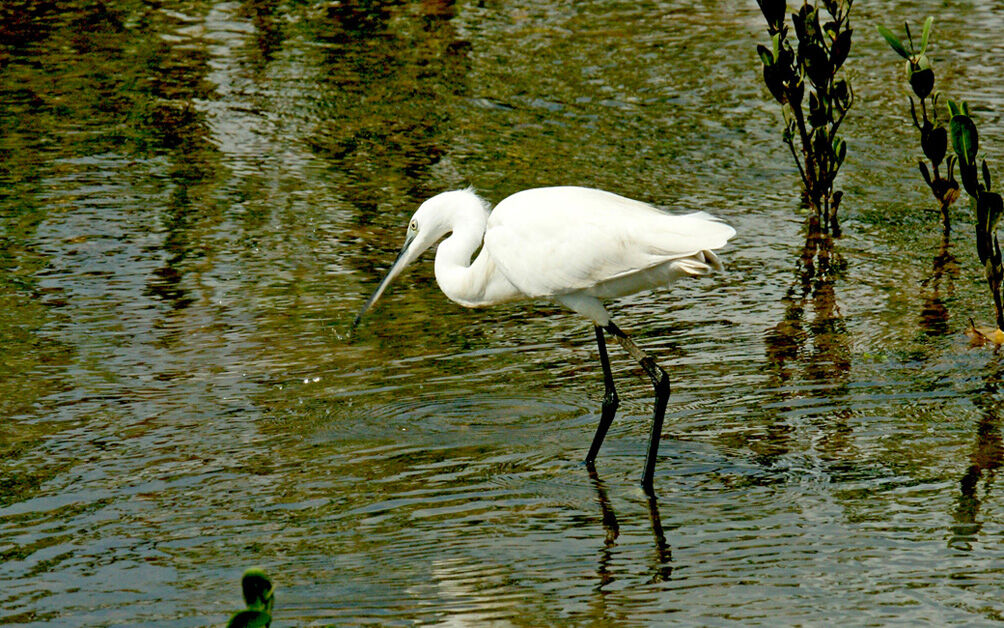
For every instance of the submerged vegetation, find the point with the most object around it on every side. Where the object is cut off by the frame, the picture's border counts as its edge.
(934, 138)
(805, 78)
(259, 595)
(933, 135)
(987, 205)
(807, 81)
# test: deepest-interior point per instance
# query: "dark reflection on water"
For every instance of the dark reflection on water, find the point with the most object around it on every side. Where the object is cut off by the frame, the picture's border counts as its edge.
(809, 345)
(662, 568)
(195, 197)
(986, 457)
(934, 315)
(381, 118)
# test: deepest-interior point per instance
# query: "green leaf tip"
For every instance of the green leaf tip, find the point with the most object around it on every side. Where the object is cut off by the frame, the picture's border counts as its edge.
(893, 41)
(927, 33)
(957, 108)
(765, 55)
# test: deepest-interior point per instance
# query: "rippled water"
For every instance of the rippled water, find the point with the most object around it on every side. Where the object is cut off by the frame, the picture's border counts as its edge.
(195, 198)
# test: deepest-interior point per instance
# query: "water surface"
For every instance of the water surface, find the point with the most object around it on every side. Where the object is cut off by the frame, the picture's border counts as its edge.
(196, 197)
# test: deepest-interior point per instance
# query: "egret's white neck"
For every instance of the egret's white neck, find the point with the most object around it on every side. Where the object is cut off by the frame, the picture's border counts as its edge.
(470, 284)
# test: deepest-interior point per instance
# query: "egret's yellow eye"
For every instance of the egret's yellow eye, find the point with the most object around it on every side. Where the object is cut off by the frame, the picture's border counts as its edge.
(413, 226)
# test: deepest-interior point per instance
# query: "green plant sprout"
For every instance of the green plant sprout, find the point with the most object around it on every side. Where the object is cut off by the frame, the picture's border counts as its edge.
(988, 207)
(933, 135)
(824, 41)
(259, 594)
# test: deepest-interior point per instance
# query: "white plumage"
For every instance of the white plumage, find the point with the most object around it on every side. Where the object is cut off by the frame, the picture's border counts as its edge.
(563, 242)
(573, 245)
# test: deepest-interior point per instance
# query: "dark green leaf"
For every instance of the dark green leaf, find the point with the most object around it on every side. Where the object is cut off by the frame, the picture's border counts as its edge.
(258, 589)
(965, 139)
(250, 619)
(795, 93)
(798, 21)
(840, 91)
(840, 49)
(840, 97)
(934, 141)
(894, 42)
(982, 232)
(773, 11)
(922, 82)
(989, 208)
(817, 111)
(822, 146)
(816, 63)
(986, 176)
(925, 173)
(765, 55)
(811, 20)
(969, 181)
(783, 53)
(772, 77)
(839, 150)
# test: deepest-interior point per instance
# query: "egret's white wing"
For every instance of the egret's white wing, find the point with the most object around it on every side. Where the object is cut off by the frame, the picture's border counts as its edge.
(549, 241)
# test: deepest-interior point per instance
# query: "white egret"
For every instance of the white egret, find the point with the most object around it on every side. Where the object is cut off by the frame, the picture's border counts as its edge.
(574, 246)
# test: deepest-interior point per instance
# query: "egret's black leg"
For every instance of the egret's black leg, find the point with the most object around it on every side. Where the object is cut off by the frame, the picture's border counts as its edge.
(661, 383)
(610, 400)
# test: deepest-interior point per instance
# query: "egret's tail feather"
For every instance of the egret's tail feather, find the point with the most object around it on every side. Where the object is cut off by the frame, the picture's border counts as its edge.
(691, 266)
(699, 264)
(712, 260)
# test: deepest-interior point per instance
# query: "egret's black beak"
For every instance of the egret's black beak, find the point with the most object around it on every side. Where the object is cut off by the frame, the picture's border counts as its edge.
(403, 259)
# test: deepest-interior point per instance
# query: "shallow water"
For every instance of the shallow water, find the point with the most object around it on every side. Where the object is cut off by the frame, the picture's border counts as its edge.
(196, 198)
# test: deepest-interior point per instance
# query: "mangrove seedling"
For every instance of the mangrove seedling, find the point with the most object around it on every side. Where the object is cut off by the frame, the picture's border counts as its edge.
(259, 594)
(806, 80)
(988, 205)
(933, 135)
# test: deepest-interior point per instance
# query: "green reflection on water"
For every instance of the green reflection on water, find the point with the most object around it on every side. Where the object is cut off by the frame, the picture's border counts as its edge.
(197, 196)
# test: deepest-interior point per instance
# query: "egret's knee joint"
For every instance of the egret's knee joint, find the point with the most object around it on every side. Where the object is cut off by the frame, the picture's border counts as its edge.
(662, 386)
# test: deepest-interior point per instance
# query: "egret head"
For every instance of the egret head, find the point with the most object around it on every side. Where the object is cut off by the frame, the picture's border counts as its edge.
(433, 219)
